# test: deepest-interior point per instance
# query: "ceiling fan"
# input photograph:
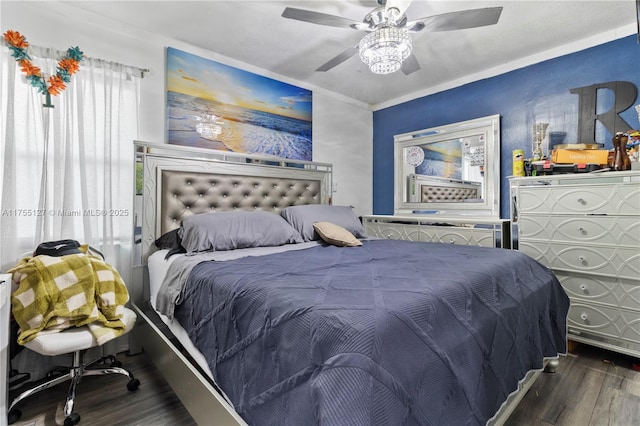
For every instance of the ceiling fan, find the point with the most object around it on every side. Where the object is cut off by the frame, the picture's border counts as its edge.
(387, 45)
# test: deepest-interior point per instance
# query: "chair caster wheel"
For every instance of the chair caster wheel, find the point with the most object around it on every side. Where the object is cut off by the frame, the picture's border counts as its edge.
(133, 384)
(73, 419)
(116, 363)
(56, 372)
(13, 416)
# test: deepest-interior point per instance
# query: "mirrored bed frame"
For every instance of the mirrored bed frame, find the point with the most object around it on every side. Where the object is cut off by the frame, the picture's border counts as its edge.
(178, 182)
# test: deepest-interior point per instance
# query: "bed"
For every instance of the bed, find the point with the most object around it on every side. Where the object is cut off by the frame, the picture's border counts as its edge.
(310, 331)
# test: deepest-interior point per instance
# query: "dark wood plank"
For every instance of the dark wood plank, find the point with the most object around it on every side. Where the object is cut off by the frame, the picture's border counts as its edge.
(592, 386)
(105, 400)
(619, 399)
(615, 407)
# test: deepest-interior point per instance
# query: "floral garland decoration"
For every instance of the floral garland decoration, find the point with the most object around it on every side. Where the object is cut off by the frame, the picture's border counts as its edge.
(67, 66)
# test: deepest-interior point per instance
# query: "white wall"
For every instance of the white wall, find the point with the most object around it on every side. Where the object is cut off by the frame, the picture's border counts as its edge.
(340, 136)
(342, 128)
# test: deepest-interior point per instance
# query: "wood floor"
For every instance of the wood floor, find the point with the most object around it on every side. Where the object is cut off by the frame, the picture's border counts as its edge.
(592, 387)
(105, 400)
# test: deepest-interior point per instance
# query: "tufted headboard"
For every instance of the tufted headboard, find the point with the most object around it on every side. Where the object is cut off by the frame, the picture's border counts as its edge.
(448, 193)
(187, 193)
(178, 182)
(434, 189)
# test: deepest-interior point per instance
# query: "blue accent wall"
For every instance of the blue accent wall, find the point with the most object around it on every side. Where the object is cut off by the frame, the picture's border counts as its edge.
(537, 93)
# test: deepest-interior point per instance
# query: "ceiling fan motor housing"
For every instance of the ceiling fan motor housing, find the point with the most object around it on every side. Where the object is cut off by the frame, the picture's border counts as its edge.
(380, 16)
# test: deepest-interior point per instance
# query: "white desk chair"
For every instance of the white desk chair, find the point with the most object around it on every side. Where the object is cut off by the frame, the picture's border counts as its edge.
(74, 340)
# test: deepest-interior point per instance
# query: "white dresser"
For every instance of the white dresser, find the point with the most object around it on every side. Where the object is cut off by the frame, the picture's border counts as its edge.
(464, 230)
(586, 228)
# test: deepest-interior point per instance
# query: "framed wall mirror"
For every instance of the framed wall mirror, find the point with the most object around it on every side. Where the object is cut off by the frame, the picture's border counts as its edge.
(451, 170)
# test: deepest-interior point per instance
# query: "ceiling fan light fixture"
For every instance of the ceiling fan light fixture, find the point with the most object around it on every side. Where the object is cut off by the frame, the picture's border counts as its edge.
(384, 49)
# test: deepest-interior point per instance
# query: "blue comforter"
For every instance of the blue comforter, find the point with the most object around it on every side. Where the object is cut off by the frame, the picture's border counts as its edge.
(390, 333)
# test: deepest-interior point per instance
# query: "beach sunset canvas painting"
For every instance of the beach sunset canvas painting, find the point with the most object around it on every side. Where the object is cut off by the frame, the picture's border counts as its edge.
(212, 105)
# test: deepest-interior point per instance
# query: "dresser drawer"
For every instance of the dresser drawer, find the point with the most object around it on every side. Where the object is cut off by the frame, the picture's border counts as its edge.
(611, 291)
(611, 261)
(620, 231)
(393, 231)
(460, 236)
(607, 322)
(435, 234)
(593, 199)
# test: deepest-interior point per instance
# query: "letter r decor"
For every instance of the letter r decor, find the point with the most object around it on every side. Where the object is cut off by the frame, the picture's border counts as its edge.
(625, 94)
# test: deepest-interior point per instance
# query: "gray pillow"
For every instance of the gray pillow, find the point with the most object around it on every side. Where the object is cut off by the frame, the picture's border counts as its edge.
(219, 231)
(302, 219)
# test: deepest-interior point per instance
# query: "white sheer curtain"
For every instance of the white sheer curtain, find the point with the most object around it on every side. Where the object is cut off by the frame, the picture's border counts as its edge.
(67, 171)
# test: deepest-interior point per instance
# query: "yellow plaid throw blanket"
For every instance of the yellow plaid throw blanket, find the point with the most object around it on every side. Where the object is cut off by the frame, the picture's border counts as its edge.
(55, 293)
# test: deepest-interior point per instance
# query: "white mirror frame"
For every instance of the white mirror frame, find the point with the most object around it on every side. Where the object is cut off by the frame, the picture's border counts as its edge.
(489, 128)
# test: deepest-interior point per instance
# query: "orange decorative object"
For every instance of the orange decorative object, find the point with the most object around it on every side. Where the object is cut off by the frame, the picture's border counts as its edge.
(580, 156)
(56, 85)
(72, 66)
(28, 68)
(67, 66)
(16, 39)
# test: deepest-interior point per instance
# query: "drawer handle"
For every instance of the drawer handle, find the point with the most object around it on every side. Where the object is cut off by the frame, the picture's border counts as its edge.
(582, 201)
(582, 260)
(452, 241)
(582, 230)
(388, 236)
(584, 316)
(584, 288)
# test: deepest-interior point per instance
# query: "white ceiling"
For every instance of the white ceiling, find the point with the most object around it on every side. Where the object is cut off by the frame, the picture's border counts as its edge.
(253, 32)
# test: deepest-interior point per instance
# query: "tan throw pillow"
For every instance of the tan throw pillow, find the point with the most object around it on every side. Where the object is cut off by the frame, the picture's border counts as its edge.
(336, 235)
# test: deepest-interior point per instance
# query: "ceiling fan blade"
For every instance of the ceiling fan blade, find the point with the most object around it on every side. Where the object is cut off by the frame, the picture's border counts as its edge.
(410, 65)
(337, 60)
(457, 20)
(321, 18)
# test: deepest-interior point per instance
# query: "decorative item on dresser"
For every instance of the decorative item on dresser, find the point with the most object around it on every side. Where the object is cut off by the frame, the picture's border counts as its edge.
(620, 158)
(587, 230)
